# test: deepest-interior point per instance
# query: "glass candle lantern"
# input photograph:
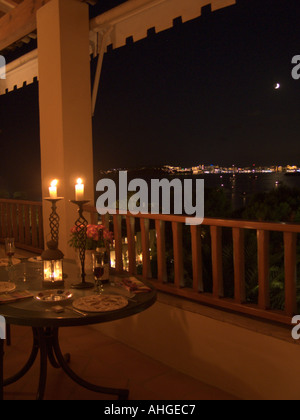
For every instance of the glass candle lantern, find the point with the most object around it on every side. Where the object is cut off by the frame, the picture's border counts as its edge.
(52, 266)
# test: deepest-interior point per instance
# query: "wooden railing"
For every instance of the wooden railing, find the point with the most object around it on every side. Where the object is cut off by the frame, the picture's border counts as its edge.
(23, 221)
(212, 230)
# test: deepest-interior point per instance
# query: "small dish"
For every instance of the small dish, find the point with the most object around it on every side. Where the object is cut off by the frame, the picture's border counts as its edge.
(53, 296)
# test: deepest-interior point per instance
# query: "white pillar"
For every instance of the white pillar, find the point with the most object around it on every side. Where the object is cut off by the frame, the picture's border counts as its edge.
(65, 108)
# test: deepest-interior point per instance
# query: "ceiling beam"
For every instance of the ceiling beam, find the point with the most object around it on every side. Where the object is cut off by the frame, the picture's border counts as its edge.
(19, 22)
(7, 5)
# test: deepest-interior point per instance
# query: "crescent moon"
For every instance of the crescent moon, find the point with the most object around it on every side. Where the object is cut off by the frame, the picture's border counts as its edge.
(277, 86)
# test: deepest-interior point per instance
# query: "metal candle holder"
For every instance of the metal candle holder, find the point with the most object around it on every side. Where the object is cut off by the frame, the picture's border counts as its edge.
(54, 218)
(81, 228)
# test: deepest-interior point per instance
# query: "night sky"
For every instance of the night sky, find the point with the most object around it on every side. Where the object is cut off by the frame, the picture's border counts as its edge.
(201, 92)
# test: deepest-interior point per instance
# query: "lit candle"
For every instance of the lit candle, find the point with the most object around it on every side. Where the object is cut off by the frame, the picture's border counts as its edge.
(53, 189)
(79, 190)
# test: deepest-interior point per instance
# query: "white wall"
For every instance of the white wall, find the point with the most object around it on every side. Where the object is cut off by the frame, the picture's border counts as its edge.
(240, 361)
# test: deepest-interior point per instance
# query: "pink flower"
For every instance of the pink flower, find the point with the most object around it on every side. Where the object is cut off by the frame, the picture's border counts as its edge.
(92, 232)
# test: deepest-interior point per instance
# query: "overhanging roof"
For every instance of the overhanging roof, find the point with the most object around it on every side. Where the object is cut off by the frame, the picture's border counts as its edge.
(131, 19)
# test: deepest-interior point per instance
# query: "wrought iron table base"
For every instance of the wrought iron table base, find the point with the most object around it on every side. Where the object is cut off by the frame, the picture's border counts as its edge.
(46, 342)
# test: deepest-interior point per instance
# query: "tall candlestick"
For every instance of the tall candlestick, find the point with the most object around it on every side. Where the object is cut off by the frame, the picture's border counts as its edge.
(53, 189)
(79, 190)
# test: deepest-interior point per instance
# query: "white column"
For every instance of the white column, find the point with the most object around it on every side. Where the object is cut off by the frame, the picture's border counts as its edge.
(65, 108)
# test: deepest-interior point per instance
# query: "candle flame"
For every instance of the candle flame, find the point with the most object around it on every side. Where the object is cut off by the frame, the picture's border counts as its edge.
(54, 183)
(79, 181)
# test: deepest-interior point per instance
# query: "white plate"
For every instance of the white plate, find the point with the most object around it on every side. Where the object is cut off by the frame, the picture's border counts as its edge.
(53, 296)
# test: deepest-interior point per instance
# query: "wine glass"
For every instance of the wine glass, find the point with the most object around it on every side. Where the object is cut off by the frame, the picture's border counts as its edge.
(10, 249)
(98, 270)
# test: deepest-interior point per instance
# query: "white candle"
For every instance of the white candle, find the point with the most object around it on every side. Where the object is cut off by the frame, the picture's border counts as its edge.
(53, 189)
(79, 190)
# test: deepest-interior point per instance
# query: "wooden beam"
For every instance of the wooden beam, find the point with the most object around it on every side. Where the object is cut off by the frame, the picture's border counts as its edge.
(7, 5)
(19, 22)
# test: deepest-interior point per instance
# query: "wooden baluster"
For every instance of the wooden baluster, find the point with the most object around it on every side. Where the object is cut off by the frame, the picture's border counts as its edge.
(3, 221)
(161, 251)
(239, 265)
(40, 227)
(105, 220)
(130, 225)
(27, 225)
(144, 223)
(33, 221)
(15, 222)
(8, 220)
(94, 218)
(21, 223)
(118, 242)
(178, 254)
(217, 265)
(263, 244)
(197, 258)
(290, 263)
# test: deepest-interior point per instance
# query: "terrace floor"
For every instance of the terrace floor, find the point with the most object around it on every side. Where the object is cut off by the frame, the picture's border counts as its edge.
(101, 360)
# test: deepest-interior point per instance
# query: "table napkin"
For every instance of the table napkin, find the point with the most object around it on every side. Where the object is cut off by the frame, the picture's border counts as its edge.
(132, 284)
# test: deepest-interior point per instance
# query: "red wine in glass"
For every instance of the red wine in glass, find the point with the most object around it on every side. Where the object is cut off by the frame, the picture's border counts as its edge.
(98, 272)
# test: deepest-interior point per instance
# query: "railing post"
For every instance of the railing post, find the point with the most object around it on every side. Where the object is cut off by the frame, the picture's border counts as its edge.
(118, 242)
(239, 265)
(27, 225)
(3, 224)
(130, 224)
(41, 230)
(290, 263)
(217, 264)
(15, 221)
(197, 258)
(33, 222)
(8, 220)
(161, 251)
(178, 254)
(263, 243)
(144, 223)
(21, 223)
(105, 220)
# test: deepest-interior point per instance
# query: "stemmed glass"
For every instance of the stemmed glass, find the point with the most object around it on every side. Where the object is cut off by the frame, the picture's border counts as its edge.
(98, 270)
(10, 249)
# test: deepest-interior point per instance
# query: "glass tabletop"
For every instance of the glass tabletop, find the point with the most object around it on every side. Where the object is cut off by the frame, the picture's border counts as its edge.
(27, 276)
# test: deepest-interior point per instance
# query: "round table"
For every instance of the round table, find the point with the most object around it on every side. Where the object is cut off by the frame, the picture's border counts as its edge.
(45, 324)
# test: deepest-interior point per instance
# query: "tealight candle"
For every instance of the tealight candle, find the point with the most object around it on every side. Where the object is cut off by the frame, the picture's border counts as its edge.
(53, 189)
(79, 190)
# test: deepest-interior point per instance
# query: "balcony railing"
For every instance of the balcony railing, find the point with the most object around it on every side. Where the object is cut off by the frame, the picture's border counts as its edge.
(213, 263)
(212, 280)
(22, 220)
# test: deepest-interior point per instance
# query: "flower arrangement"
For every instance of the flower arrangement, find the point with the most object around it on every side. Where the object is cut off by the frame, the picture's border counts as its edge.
(97, 237)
